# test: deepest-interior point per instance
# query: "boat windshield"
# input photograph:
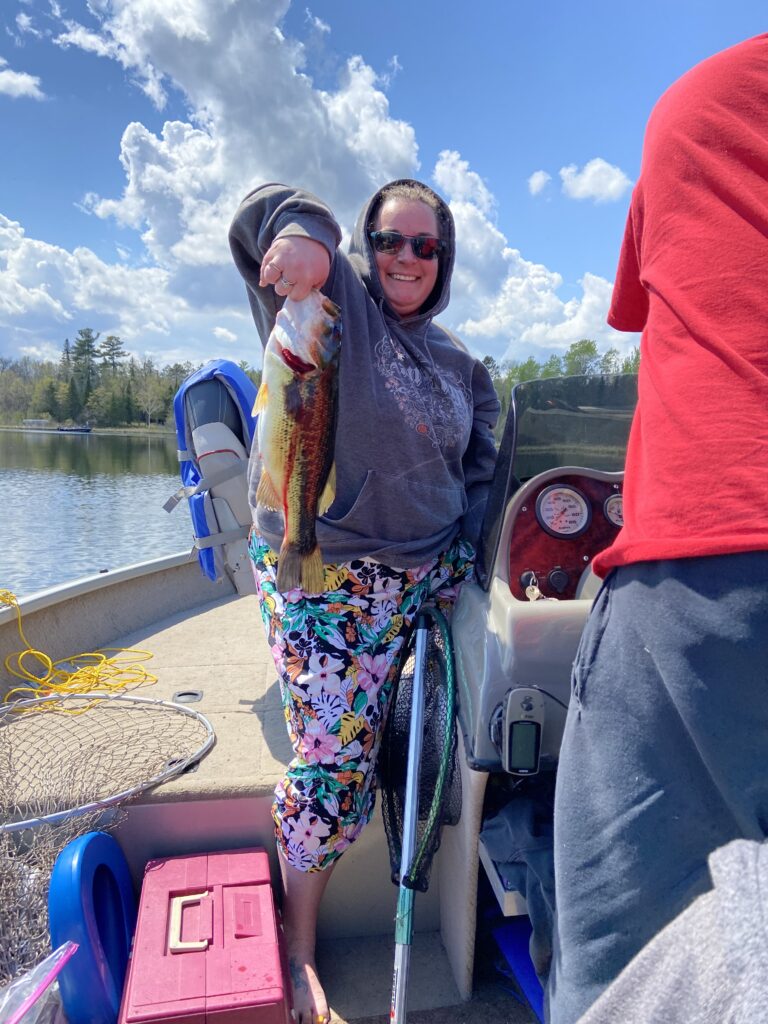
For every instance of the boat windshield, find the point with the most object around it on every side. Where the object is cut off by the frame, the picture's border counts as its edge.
(571, 421)
(557, 421)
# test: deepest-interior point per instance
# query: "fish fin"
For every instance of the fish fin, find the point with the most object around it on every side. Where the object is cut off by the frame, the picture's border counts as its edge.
(312, 575)
(330, 307)
(296, 570)
(262, 397)
(266, 494)
(288, 568)
(329, 492)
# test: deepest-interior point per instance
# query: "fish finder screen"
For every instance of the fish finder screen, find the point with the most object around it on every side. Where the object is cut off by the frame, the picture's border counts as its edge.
(524, 746)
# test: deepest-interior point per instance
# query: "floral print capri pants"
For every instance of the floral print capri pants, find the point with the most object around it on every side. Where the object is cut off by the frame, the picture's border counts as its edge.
(336, 654)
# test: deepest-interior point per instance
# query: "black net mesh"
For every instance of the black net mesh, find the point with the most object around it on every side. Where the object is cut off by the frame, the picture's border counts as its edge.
(439, 780)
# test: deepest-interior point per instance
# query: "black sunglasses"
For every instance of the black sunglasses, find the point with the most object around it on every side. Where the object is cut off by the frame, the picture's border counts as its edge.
(425, 247)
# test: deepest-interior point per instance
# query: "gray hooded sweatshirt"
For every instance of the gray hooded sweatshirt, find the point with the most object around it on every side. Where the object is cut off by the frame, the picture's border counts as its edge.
(414, 444)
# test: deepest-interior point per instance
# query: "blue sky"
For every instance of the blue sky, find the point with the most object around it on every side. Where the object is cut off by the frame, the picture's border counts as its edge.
(131, 129)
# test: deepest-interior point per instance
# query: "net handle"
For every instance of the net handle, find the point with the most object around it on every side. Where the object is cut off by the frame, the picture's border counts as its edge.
(433, 817)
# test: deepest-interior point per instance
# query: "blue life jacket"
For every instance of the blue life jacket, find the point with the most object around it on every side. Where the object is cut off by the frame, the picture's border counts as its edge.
(214, 430)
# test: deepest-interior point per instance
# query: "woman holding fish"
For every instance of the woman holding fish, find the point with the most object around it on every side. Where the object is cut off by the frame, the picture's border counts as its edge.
(368, 484)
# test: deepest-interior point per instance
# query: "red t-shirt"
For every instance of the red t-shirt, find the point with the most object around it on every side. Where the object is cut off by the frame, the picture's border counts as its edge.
(693, 276)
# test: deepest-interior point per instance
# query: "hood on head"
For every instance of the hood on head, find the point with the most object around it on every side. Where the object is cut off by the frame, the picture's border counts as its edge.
(362, 256)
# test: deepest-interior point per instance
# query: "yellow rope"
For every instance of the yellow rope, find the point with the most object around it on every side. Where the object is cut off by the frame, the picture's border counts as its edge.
(82, 673)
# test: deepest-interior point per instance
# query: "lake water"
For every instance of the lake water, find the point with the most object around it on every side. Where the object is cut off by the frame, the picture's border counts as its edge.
(72, 505)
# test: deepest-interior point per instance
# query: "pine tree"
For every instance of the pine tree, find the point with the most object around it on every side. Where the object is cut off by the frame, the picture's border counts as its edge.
(129, 406)
(65, 363)
(111, 351)
(529, 370)
(493, 368)
(116, 407)
(73, 405)
(51, 401)
(84, 355)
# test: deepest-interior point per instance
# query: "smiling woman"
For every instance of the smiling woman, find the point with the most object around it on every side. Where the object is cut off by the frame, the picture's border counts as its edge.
(406, 243)
(414, 454)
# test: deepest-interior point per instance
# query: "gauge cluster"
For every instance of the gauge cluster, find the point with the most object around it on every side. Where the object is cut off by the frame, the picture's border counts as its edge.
(613, 509)
(563, 511)
(558, 529)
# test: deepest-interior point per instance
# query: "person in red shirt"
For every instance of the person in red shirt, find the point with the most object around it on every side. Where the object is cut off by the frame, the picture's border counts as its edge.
(665, 752)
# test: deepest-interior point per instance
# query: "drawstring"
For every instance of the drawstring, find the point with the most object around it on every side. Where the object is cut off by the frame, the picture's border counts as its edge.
(418, 356)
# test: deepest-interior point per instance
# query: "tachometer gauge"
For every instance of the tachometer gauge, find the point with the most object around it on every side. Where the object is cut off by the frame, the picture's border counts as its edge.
(563, 511)
(613, 509)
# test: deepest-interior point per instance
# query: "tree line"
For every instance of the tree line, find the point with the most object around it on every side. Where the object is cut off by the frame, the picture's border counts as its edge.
(95, 381)
(582, 357)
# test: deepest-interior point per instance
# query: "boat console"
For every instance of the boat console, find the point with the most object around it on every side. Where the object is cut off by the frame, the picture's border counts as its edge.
(555, 502)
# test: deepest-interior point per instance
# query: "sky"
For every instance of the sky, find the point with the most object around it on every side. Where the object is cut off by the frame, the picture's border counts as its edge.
(131, 129)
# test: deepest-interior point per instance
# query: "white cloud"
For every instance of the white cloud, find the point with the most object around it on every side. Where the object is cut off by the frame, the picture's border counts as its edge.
(141, 35)
(19, 83)
(597, 180)
(255, 115)
(45, 352)
(46, 293)
(527, 315)
(317, 23)
(90, 42)
(26, 26)
(521, 309)
(174, 192)
(223, 334)
(359, 113)
(453, 176)
(537, 181)
(503, 304)
(39, 278)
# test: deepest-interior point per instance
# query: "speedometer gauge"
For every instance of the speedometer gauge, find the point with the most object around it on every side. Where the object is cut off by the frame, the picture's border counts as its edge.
(613, 509)
(563, 511)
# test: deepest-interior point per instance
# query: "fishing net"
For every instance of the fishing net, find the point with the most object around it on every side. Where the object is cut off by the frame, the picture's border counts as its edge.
(439, 796)
(65, 760)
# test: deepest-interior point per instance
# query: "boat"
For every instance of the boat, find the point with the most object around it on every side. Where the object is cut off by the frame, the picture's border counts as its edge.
(555, 502)
(75, 430)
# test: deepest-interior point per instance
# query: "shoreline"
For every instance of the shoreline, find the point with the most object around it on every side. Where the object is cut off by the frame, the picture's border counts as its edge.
(153, 431)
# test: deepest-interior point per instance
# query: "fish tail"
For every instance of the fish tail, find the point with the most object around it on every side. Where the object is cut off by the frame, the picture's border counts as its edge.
(312, 575)
(297, 570)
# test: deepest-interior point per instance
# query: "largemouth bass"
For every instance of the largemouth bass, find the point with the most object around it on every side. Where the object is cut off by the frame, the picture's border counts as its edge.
(296, 405)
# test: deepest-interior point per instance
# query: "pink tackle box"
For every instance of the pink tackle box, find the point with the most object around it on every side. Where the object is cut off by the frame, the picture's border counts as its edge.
(207, 948)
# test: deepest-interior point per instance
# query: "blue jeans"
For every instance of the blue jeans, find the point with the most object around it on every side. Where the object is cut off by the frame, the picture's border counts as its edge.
(664, 758)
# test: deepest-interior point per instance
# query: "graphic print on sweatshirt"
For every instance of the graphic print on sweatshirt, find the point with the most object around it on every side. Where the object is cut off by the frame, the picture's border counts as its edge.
(435, 404)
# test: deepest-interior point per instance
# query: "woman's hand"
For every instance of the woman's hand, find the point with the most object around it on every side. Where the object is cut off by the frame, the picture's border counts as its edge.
(294, 266)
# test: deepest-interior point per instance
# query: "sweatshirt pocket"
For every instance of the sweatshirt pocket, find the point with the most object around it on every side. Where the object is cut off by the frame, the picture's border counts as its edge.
(397, 510)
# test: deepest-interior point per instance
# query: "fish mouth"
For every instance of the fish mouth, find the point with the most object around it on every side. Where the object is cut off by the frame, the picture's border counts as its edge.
(293, 362)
